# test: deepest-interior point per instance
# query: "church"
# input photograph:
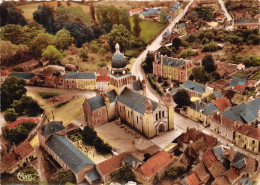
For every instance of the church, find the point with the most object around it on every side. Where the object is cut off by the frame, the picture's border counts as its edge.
(127, 100)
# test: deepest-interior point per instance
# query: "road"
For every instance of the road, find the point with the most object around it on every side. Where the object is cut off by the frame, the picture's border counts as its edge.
(74, 92)
(156, 44)
(229, 18)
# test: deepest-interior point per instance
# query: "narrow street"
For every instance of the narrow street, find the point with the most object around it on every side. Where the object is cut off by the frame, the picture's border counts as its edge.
(156, 44)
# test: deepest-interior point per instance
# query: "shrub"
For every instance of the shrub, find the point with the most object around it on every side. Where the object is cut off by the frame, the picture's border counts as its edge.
(46, 95)
(10, 115)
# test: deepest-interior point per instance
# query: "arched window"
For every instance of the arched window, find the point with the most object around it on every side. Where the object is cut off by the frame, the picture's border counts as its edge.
(156, 117)
(163, 114)
(159, 114)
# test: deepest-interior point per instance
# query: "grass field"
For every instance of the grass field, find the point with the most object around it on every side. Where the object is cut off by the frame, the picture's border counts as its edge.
(256, 76)
(240, 75)
(250, 50)
(149, 29)
(28, 9)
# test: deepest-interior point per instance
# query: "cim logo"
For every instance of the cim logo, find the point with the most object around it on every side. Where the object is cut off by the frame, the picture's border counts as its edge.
(27, 177)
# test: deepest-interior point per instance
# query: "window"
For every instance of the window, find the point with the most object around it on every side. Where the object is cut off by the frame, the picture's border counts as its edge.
(156, 117)
(239, 136)
(137, 119)
(253, 141)
(128, 114)
(159, 114)
(163, 114)
(120, 109)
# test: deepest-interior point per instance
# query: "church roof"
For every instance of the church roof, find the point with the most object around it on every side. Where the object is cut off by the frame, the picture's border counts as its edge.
(134, 100)
(118, 61)
(68, 153)
(51, 128)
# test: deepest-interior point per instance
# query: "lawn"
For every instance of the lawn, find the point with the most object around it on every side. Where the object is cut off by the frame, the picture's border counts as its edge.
(46, 95)
(28, 9)
(149, 29)
(256, 76)
(240, 75)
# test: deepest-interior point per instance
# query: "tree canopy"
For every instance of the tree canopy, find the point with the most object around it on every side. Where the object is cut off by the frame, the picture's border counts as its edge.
(124, 174)
(176, 42)
(10, 115)
(182, 98)
(63, 39)
(208, 63)
(11, 89)
(137, 28)
(89, 135)
(63, 176)
(52, 54)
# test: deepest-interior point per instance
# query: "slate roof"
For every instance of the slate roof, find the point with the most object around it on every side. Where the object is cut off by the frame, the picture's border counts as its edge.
(167, 33)
(137, 85)
(155, 163)
(219, 153)
(180, 26)
(129, 159)
(51, 128)
(174, 91)
(93, 175)
(244, 113)
(169, 61)
(246, 181)
(75, 75)
(245, 21)
(135, 100)
(207, 109)
(68, 153)
(194, 86)
(239, 160)
(237, 81)
(118, 61)
(98, 101)
(151, 11)
(23, 75)
(175, 7)
(218, 94)
(169, 17)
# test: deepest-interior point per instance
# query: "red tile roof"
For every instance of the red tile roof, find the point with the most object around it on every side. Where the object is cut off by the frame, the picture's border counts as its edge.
(20, 121)
(4, 72)
(112, 164)
(232, 175)
(7, 161)
(193, 179)
(103, 78)
(155, 163)
(193, 30)
(249, 131)
(209, 158)
(239, 87)
(53, 78)
(222, 103)
(103, 71)
(24, 149)
(210, 140)
(136, 10)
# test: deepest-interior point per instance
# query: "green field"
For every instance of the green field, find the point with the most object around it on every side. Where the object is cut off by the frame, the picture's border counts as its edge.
(240, 75)
(256, 76)
(149, 29)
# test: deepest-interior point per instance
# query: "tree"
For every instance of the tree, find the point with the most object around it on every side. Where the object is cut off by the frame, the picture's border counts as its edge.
(52, 54)
(107, 25)
(89, 135)
(10, 115)
(175, 171)
(208, 63)
(83, 54)
(13, 33)
(63, 176)
(137, 28)
(119, 34)
(101, 147)
(191, 38)
(92, 11)
(68, 4)
(45, 16)
(41, 42)
(26, 105)
(124, 174)
(149, 62)
(212, 46)
(187, 53)
(63, 39)
(11, 89)
(8, 50)
(17, 134)
(176, 42)
(205, 14)
(102, 64)
(11, 14)
(164, 51)
(182, 98)
(102, 51)
(58, 4)
(108, 12)
(124, 19)
(163, 17)
(200, 74)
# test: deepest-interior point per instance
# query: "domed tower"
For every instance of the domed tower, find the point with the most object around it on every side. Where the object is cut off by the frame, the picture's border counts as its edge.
(148, 119)
(169, 105)
(120, 77)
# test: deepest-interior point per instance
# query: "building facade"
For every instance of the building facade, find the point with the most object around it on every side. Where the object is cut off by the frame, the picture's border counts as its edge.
(246, 23)
(78, 80)
(102, 83)
(172, 68)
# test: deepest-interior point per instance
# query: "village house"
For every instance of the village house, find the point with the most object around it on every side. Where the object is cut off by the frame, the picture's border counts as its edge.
(125, 101)
(19, 157)
(102, 83)
(176, 9)
(135, 11)
(201, 112)
(181, 29)
(53, 81)
(248, 137)
(52, 138)
(191, 180)
(4, 74)
(241, 67)
(222, 103)
(201, 172)
(172, 68)
(79, 80)
(238, 83)
(150, 14)
(102, 71)
(156, 165)
(246, 23)
(23, 75)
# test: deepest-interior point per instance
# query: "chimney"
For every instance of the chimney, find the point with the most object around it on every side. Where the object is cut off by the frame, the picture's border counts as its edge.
(144, 87)
(133, 164)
